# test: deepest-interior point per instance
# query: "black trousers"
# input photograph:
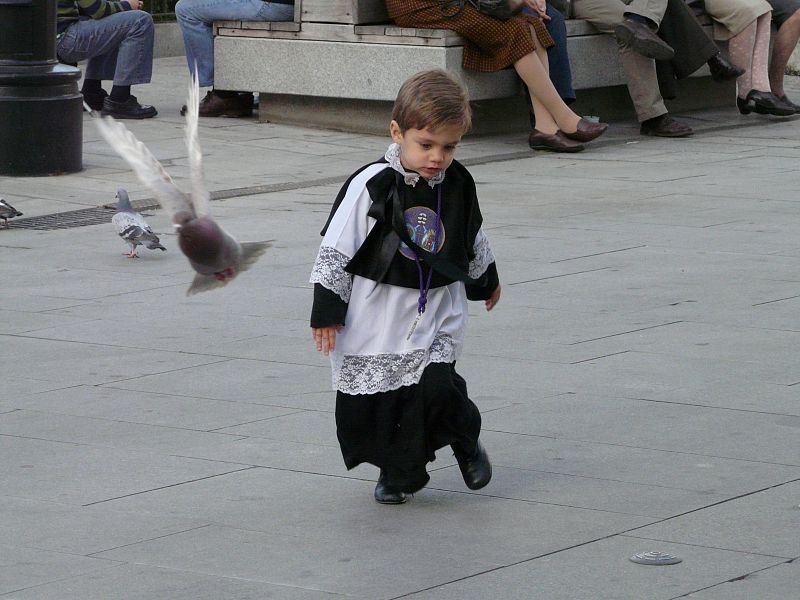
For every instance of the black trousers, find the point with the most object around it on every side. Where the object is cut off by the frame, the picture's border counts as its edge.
(693, 46)
(399, 431)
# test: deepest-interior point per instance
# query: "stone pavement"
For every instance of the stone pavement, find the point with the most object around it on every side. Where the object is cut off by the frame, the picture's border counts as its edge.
(639, 381)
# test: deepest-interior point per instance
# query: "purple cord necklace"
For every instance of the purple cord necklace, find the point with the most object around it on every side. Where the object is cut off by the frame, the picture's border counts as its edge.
(425, 285)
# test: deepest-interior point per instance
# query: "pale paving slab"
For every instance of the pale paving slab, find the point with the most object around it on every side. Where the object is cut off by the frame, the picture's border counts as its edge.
(79, 530)
(75, 474)
(740, 524)
(161, 410)
(602, 570)
(280, 544)
(775, 583)
(139, 582)
(628, 480)
(641, 424)
(25, 567)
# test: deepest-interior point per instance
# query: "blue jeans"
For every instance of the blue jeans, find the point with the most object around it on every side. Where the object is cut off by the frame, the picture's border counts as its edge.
(118, 47)
(557, 57)
(196, 16)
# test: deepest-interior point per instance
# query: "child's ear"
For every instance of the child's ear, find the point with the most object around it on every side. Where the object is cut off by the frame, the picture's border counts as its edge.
(396, 132)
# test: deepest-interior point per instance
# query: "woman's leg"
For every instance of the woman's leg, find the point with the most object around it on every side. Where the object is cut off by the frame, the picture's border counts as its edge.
(550, 110)
(740, 48)
(761, 53)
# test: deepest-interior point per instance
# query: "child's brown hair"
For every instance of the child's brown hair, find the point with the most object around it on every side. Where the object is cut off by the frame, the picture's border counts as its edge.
(431, 99)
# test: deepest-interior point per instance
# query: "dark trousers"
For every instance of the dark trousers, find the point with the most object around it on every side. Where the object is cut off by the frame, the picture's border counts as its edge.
(693, 46)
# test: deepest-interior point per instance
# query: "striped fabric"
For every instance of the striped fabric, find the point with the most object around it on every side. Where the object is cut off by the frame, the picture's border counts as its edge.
(71, 10)
(492, 45)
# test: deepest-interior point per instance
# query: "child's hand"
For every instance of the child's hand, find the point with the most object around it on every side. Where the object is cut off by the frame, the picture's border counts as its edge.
(325, 337)
(493, 299)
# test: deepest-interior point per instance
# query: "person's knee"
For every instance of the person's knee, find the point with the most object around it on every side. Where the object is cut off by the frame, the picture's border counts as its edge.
(143, 21)
(182, 9)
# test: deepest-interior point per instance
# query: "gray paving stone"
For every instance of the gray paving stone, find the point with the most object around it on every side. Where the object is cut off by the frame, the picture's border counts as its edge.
(79, 530)
(138, 582)
(602, 570)
(75, 474)
(775, 583)
(25, 567)
(740, 524)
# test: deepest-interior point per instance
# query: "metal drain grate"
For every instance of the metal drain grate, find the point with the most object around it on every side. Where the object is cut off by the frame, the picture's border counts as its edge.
(64, 220)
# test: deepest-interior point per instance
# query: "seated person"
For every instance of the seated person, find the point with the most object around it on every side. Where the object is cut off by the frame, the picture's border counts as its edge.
(195, 18)
(635, 25)
(746, 26)
(693, 48)
(493, 45)
(116, 37)
(786, 17)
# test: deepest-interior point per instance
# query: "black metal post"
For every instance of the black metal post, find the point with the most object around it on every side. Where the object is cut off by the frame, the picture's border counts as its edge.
(41, 110)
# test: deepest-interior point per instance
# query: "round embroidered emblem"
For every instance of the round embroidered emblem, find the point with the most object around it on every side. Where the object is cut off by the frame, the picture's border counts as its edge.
(420, 223)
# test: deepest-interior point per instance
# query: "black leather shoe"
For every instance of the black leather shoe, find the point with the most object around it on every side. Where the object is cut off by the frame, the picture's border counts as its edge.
(640, 38)
(553, 143)
(476, 469)
(786, 100)
(665, 126)
(95, 100)
(587, 131)
(763, 103)
(722, 69)
(130, 109)
(384, 494)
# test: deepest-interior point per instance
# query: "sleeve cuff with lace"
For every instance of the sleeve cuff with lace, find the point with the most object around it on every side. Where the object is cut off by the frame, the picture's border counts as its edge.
(329, 272)
(483, 256)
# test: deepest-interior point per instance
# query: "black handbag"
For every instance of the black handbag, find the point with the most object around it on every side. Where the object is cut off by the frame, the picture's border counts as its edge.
(502, 10)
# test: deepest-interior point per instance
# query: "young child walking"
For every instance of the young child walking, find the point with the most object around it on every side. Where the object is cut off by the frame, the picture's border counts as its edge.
(402, 252)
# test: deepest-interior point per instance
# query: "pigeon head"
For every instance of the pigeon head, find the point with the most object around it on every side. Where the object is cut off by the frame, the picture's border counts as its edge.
(201, 240)
(123, 202)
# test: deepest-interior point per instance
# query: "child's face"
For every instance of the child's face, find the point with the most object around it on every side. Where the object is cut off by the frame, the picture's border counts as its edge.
(426, 151)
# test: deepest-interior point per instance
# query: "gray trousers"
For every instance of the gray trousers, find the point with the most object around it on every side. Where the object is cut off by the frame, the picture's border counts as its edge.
(118, 47)
(640, 71)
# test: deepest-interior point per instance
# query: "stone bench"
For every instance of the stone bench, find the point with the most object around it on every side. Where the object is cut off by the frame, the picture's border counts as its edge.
(340, 63)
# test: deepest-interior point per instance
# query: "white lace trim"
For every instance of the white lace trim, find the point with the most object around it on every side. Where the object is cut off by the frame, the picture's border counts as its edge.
(376, 373)
(393, 158)
(329, 272)
(483, 256)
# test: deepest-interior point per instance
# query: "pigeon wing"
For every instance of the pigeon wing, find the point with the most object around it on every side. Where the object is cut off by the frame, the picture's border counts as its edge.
(200, 195)
(149, 171)
(130, 226)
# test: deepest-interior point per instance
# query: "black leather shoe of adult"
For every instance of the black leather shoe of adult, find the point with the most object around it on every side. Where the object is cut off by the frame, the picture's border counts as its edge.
(640, 38)
(764, 103)
(786, 100)
(665, 126)
(130, 109)
(95, 101)
(553, 143)
(384, 494)
(587, 131)
(722, 69)
(476, 469)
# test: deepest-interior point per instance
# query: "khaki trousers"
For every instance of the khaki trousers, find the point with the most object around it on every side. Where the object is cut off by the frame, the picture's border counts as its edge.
(640, 71)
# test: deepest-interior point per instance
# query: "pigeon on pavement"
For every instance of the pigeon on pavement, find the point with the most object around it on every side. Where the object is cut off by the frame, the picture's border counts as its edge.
(132, 227)
(8, 212)
(215, 255)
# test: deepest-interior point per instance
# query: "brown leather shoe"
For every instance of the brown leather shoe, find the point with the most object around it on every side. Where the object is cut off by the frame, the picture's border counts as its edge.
(587, 131)
(553, 143)
(665, 126)
(214, 105)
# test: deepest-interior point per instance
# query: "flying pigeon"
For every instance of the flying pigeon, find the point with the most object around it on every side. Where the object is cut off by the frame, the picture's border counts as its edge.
(132, 227)
(215, 255)
(8, 212)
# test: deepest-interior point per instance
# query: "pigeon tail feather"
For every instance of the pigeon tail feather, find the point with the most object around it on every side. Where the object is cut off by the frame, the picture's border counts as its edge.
(204, 283)
(251, 252)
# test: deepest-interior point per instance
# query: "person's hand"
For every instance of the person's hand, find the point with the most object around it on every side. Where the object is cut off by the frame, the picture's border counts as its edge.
(325, 337)
(539, 7)
(136, 4)
(493, 299)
